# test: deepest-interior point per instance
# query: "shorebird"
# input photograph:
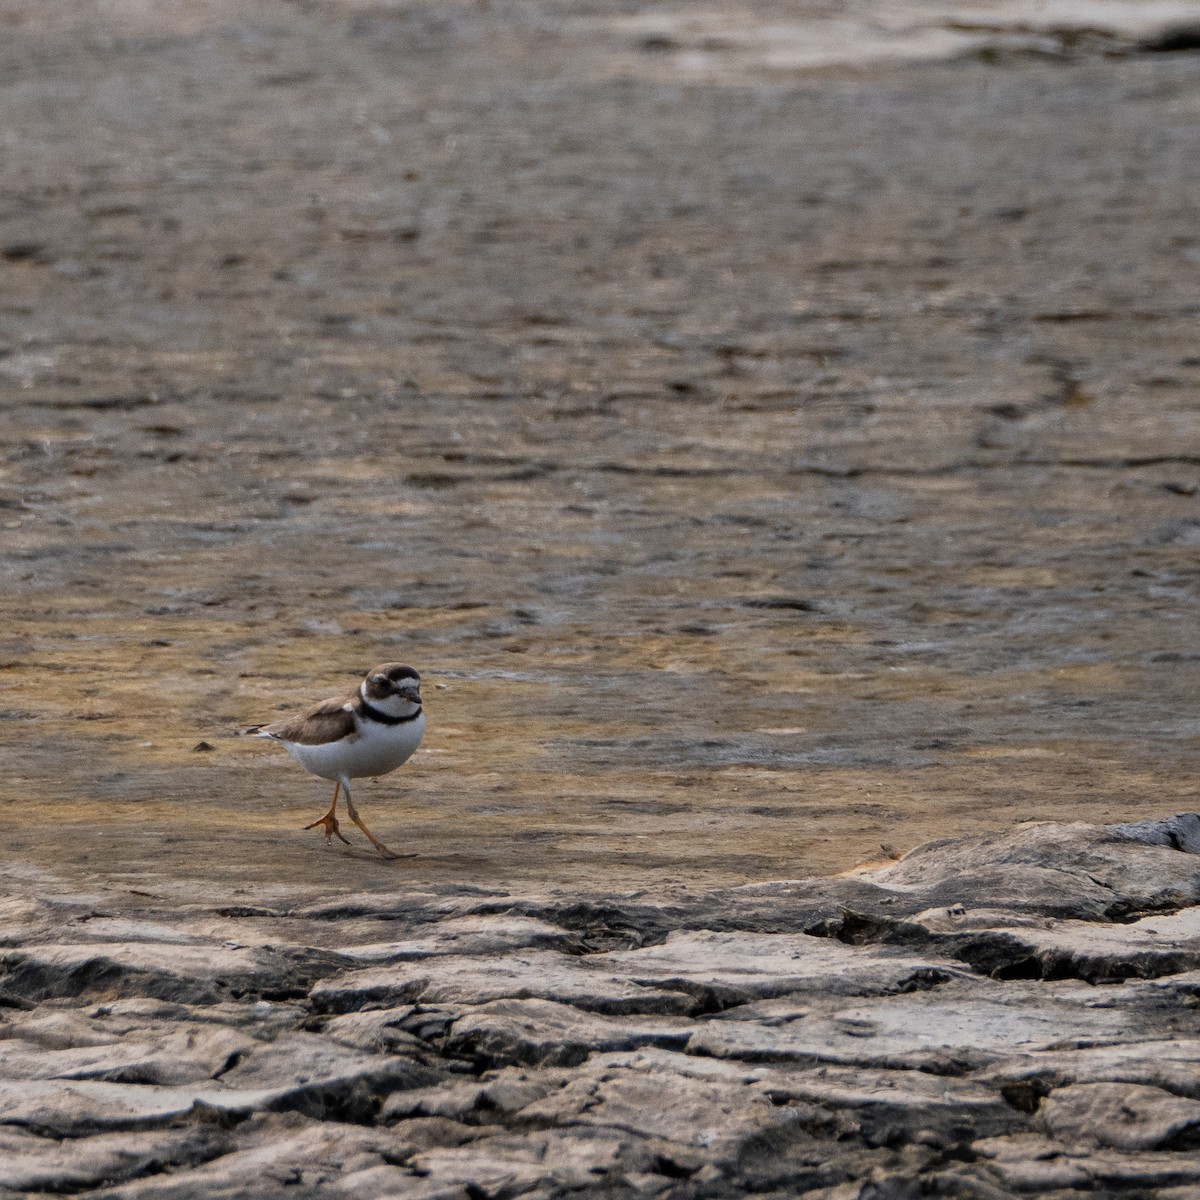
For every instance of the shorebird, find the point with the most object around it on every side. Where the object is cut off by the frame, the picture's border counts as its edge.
(368, 733)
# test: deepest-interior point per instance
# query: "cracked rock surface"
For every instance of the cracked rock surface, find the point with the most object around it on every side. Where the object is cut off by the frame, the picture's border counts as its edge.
(905, 1031)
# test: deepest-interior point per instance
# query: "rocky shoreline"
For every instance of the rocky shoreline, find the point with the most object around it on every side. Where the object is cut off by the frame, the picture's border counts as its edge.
(1004, 1015)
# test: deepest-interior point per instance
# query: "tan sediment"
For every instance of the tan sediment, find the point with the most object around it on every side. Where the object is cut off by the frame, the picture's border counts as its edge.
(757, 470)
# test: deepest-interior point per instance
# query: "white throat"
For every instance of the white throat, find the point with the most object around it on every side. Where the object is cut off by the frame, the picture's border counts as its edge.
(394, 706)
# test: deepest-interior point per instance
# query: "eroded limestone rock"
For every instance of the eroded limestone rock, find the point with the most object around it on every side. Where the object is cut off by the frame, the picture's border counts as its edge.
(536, 1046)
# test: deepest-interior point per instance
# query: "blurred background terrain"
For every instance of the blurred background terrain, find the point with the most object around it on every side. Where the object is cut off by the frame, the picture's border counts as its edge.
(770, 429)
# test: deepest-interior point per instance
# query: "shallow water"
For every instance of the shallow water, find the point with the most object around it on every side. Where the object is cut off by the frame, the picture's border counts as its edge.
(760, 469)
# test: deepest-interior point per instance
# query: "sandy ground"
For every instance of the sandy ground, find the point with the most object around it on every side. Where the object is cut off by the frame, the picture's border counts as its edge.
(762, 461)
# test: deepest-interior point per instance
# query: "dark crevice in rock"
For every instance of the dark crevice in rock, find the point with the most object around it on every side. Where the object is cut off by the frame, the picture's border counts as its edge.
(669, 1167)
(924, 979)
(1005, 955)
(1180, 39)
(228, 1065)
(709, 1000)
(1022, 968)
(601, 926)
(861, 929)
(1026, 1095)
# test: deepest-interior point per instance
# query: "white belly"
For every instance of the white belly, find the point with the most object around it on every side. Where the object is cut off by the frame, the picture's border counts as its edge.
(380, 749)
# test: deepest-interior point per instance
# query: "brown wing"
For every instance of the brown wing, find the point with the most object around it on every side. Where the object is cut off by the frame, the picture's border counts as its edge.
(329, 721)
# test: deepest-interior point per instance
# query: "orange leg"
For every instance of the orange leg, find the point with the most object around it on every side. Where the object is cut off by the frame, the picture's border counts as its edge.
(329, 821)
(370, 836)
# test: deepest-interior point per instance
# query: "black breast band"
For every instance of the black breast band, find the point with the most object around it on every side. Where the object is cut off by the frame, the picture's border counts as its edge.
(368, 710)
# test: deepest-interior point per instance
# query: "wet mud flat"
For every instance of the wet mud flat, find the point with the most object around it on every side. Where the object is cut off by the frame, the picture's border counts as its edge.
(761, 464)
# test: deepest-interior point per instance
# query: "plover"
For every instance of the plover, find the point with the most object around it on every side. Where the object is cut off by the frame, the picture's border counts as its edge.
(353, 737)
